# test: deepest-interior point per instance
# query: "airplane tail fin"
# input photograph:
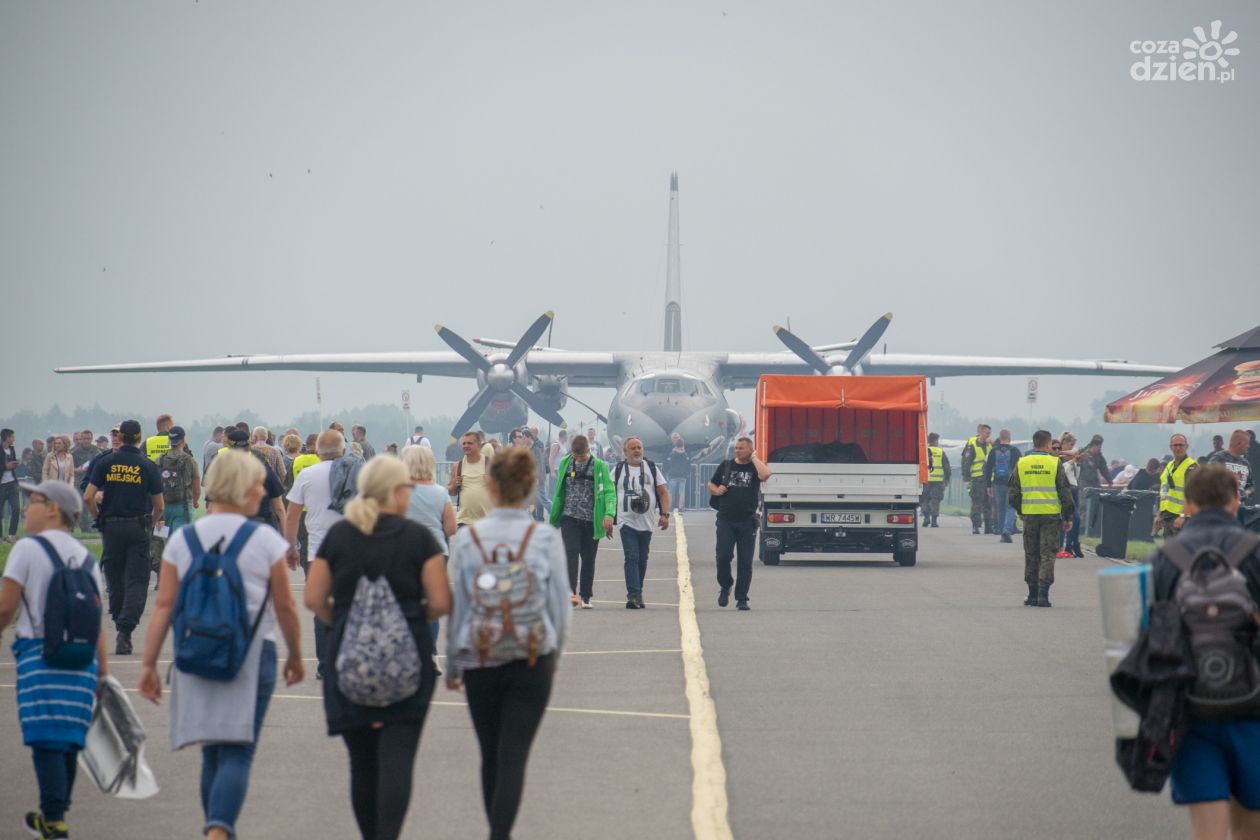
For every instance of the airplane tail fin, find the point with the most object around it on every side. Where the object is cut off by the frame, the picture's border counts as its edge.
(673, 277)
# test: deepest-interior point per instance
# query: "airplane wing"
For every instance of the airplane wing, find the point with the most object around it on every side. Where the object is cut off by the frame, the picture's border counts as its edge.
(583, 369)
(741, 370)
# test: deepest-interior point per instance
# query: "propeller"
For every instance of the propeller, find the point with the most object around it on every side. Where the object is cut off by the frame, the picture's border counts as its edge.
(501, 377)
(861, 348)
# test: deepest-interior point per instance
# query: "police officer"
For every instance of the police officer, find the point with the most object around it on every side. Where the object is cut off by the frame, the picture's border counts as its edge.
(938, 478)
(1039, 490)
(1172, 488)
(974, 456)
(132, 502)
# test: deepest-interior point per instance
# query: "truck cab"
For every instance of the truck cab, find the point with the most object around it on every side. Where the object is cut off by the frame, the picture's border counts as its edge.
(848, 457)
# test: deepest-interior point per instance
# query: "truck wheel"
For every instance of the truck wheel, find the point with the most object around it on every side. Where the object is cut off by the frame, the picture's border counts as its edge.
(904, 558)
(770, 558)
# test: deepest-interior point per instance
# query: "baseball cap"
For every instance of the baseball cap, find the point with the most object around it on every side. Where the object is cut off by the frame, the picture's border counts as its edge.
(65, 496)
(237, 437)
(102, 439)
(129, 427)
(176, 434)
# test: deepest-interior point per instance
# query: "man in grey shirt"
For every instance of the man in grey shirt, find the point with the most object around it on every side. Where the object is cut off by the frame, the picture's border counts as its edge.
(1234, 459)
(211, 448)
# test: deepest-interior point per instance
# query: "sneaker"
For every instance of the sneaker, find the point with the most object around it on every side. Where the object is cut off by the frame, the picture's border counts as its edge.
(122, 644)
(587, 605)
(630, 604)
(638, 602)
(742, 605)
(1060, 555)
(39, 828)
(1006, 538)
(574, 600)
(974, 529)
(724, 596)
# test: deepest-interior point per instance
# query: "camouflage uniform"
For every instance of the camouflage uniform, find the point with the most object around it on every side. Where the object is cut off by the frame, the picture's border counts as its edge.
(179, 470)
(35, 467)
(1041, 535)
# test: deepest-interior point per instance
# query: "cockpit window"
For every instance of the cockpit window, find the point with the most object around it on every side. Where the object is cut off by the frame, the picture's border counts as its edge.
(667, 386)
(657, 385)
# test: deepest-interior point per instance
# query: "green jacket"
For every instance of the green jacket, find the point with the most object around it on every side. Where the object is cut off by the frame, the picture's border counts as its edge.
(605, 494)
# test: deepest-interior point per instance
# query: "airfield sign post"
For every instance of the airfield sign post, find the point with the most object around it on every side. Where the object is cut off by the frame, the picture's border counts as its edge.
(1032, 399)
(319, 403)
(406, 407)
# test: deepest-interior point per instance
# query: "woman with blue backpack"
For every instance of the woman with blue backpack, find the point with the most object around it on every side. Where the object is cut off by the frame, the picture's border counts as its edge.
(224, 585)
(378, 580)
(60, 649)
(507, 630)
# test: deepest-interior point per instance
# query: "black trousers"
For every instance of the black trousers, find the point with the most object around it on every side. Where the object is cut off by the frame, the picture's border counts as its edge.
(580, 543)
(125, 561)
(381, 764)
(507, 704)
(736, 537)
(11, 498)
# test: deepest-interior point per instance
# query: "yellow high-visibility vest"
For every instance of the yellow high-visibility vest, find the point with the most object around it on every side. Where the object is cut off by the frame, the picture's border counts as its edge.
(156, 446)
(1172, 486)
(936, 465)
(301, 462)
(1038, 493)
(982, 454)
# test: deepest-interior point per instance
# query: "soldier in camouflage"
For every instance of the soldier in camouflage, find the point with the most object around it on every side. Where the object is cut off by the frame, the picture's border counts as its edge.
(1039, 490)
(181, 489)
(83, 453)
(35, 466)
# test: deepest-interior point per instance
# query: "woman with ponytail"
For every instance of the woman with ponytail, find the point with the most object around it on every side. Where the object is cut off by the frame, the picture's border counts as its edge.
(506, 697)
(377, 539)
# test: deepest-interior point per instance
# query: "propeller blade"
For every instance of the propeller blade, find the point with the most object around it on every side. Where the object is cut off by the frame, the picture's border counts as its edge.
(463, 348)
(475, 409)
(800, 348)
(539, 404)
(530, 338)
(867, 342)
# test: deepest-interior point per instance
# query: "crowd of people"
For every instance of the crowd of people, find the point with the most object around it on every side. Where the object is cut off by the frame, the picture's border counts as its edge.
(346, 517)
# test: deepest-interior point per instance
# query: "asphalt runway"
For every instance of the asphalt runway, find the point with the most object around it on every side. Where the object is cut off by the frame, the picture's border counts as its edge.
(857, 699)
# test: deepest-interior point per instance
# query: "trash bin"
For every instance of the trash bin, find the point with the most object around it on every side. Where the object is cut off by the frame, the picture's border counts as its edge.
(1116, 510)
(1145, 503)
(1091, 520)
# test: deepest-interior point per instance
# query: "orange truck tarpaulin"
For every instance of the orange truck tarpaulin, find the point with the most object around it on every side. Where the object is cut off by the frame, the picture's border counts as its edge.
(864, 393)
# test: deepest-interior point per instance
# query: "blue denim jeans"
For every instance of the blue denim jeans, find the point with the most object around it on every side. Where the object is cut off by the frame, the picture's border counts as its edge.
(225, 767)
(54, 771)
(677, 492)
(635, 545)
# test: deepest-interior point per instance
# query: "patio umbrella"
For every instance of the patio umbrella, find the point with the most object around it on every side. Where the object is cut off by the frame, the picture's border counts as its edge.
(1223, 388)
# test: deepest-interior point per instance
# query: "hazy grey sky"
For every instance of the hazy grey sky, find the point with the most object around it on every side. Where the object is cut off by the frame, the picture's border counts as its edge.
(192, 179)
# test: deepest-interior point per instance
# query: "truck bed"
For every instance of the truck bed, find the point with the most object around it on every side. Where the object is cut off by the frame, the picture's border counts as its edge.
(841, 483)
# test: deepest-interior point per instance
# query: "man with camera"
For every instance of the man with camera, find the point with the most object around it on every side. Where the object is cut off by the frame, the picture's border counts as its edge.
(642, 504)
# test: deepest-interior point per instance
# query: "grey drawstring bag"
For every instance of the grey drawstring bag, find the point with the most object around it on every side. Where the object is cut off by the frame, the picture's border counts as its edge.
(377, 661)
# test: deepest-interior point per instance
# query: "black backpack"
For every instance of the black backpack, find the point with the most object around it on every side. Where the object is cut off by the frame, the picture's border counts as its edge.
(1218, 614)
(72, 612)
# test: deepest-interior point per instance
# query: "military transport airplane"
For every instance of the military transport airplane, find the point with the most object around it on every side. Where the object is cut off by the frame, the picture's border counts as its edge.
(657, 393)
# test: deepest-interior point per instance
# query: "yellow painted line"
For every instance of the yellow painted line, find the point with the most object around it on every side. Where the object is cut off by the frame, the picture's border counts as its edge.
(709, 807)
(457, 704)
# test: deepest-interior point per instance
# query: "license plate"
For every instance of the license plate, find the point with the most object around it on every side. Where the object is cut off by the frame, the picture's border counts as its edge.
(841, 518)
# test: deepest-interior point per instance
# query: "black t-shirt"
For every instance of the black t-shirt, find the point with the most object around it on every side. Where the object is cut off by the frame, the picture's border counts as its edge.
(397, 548)
(742, 489)
(129, 481)
(1144, 481)
(677, 464)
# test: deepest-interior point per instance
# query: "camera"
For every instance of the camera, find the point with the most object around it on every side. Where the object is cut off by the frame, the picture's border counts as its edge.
(639, 502)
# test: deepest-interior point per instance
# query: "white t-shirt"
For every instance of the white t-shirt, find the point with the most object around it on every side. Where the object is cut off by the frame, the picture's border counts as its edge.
(265, 549)
(312, 490)
(30, 566)
(625, 516)
(419, 440)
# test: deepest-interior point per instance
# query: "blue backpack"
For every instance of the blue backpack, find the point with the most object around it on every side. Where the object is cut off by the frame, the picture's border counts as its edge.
(72, 612)
(1002, 465)
(212, 628)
